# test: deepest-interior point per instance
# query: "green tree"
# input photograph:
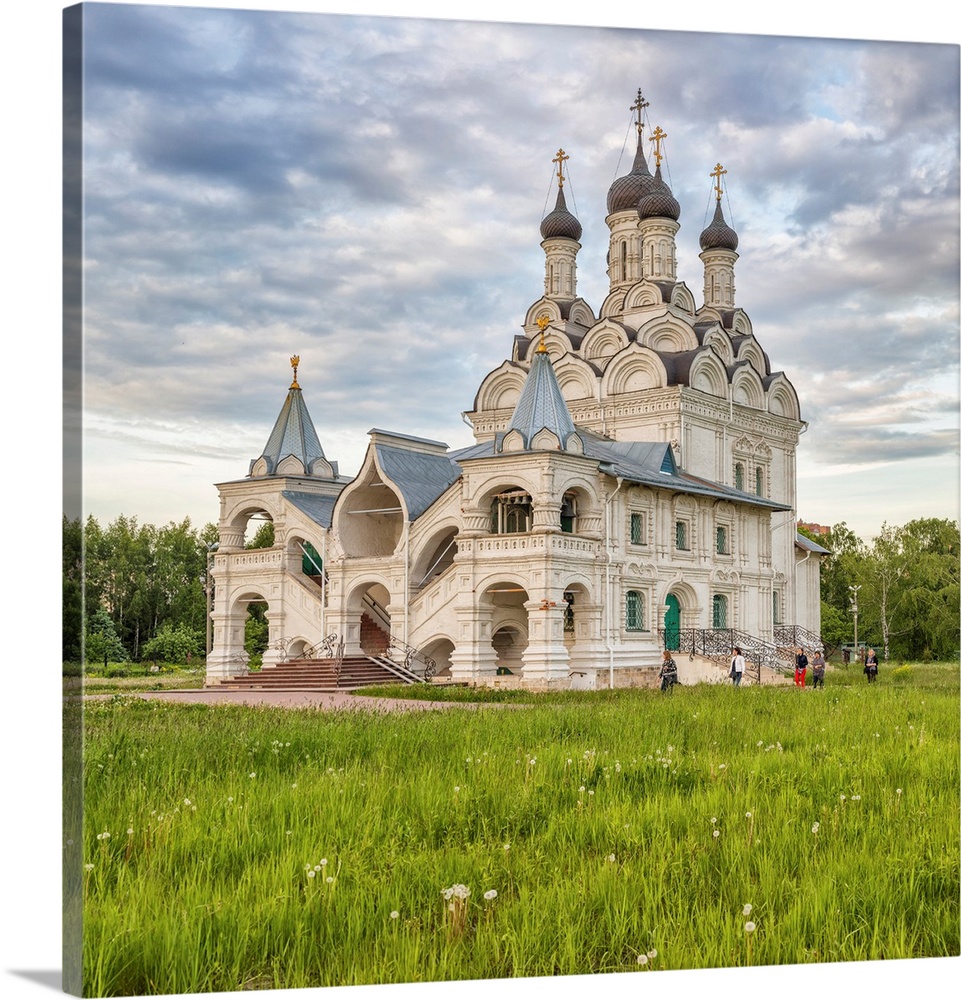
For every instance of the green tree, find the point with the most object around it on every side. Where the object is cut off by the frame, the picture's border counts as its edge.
(173, 644)
(102, 642)
(72, 615)
(263, 537)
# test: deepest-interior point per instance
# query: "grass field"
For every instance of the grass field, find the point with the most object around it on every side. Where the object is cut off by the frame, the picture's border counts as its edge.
(227, 848)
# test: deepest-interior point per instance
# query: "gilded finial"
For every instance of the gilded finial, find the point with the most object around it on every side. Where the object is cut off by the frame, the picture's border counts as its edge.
(639, 105)
(294, 363)
(543, 322)
(657, 137)
(559, 160)
(717, 173)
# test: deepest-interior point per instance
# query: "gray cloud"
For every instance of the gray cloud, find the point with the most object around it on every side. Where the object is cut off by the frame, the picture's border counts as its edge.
(367, 192)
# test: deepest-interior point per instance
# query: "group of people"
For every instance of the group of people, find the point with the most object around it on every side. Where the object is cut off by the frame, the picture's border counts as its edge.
(801, 664)
(818, 664)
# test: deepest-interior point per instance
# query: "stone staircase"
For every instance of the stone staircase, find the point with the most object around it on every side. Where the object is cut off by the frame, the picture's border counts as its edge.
(315, 675)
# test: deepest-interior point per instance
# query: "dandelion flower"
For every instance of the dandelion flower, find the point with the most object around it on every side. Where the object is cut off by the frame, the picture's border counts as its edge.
(642, 959)
(583, 789)
(323, 863)
(317, 868)
(456, 788)
(714, 820)
(253, 774)
(394, 914)
(898, 791)
(311, 874)
(490, 894)
(330, 878)
(749, 927)
(612, 858)
(507, 847)
(130, 831)
(747, 909)
(590, 791)
(717, 833)
(815, 828)
(88, 867)
(652, 953)
(747, 815)
(186, 802)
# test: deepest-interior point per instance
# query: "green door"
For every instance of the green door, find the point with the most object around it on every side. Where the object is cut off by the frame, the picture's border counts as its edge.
(672, 623)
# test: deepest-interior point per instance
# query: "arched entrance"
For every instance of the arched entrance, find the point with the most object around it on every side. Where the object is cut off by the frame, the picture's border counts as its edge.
(672, 622)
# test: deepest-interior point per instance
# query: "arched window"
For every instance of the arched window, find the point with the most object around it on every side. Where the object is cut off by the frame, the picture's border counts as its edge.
(777, 607)
(511, 512)
(759, 481)
(633, 612)
(569, 513)
(739, 475)
(719, 610)
(623, 262)
(721, 537)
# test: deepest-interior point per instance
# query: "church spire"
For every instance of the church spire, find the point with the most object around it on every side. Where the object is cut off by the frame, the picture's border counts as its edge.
(541, 420)
(560, 232)
(718, 244)
(293, 448)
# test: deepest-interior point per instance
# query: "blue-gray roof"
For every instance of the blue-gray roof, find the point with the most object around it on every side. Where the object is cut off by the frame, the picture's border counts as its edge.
(315, 505)
(421, 478)
(541, 405)
(293, 434)
(803, 542)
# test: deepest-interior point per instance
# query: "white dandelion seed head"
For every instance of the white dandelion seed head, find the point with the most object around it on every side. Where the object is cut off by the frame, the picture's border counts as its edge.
(88, 868)
(590, 791)
(330, 878)
(747, 815)
(311, 874)
(490, 894)
(749, 927)
(642, 959)
(130, 831)
(714, 820)
(652, 953)
(317, 868)
(253, 774)
(612, 857)
(717, 833)
(507, 847)
(323, 863)
(394, 914)
(898, 791)
(583, 789)
(186, 802)
(747, 909)
(456, 788)
(815, 828)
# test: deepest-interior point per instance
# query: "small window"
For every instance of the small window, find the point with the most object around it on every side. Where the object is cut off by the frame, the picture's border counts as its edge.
(722, 540)
(759, 482)
(633, 612)
(637, 528)
(719, 611)
(739, 476)
(680, 535)
(569, 513)
(777, 607)
(569, 611)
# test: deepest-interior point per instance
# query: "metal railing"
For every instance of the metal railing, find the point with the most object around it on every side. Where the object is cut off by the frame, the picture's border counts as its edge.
(716, 644)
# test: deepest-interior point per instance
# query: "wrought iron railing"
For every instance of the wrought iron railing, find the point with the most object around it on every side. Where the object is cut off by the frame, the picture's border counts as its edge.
(717, 644)
(792, 637)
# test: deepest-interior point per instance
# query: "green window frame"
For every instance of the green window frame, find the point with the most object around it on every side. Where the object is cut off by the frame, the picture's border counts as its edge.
(739, 475)
(721, 540)
(719, 611)
(637, 528)
(680, 536)
(633, 612)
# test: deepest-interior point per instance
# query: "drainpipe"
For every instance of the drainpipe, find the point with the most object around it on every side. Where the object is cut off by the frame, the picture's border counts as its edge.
(607, 583)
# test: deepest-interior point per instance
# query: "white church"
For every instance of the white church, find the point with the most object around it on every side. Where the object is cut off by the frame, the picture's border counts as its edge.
(631, 488)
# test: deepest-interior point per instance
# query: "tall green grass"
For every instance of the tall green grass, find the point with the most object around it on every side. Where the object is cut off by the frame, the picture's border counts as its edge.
(255, 848)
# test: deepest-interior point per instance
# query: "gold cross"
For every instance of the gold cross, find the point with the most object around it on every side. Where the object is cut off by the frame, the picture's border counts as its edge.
(639, 105)
(543, 322)
(717, 173)
(559, 160)
(657, 138)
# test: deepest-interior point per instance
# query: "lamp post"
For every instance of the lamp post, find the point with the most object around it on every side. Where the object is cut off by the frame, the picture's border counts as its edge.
(854, 611)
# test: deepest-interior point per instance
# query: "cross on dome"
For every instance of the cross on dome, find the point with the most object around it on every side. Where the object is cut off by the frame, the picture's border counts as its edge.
(560, 160)
(717, 173)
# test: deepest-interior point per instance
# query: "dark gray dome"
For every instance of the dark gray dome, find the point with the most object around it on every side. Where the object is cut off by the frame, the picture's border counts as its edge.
(560, 222)
(660, 203)
(718, 235)
(624, 194)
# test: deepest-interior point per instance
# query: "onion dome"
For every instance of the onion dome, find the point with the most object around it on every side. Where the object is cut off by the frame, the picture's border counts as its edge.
(660, 203)
(624, 194)
(718, 235)
(560, 222)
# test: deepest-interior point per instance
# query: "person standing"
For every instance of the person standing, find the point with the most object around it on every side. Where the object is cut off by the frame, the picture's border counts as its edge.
(737, 666)
(817, 668)
(668, 671)
(800, 667)
(871, 665)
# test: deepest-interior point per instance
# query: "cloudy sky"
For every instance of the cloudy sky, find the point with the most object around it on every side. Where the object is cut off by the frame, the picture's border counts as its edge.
(366, 192)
